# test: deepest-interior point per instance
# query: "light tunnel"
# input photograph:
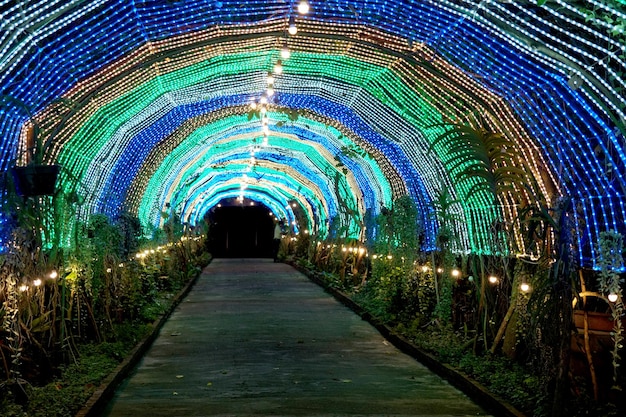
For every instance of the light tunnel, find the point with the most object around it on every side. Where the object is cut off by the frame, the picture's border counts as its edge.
(156, 105)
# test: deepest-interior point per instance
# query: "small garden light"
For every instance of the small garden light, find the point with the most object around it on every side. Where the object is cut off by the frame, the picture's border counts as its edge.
(37, 282)
(23, 288)
(53, 275)
(456, 273)
(612, 297)
(493, 279)
(524, 287)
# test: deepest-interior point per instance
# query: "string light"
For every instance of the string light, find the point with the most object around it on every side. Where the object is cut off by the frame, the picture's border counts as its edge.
(128, 139)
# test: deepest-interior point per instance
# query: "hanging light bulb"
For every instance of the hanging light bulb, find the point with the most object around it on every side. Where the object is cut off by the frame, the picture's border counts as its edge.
(270, 91)
(285, 53)
(278, 68)
(303, 7)
(292, 26)
(270, 78)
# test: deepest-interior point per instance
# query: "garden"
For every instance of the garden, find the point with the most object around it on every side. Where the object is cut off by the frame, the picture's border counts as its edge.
(70, 316)
(455, 169)
(540, 331)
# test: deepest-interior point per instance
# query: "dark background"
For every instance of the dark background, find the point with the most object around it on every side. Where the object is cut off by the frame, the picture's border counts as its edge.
(241, 231)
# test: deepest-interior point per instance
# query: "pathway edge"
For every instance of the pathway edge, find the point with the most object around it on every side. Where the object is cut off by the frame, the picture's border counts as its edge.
(95, 404)
(475, 390)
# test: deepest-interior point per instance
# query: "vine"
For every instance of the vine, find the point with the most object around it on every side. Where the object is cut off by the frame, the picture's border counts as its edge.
(610, 261)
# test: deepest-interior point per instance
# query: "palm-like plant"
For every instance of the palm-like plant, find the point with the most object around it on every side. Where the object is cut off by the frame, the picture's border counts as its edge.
(480, 160)
(485, 166)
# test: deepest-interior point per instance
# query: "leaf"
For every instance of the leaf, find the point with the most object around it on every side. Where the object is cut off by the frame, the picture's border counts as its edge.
(180, 376)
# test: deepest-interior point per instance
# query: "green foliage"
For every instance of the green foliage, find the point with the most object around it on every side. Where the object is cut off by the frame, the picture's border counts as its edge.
(398, 230)
(610, 261)
(483, 162)
(99, 302)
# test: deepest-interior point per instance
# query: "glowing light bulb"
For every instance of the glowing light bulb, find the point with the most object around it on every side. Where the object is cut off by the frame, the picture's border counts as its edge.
(493, 279)
(270, 91)
(37, 282)
(285, 53)
(270, 79)
(303, 7)
(524, 287)
(612, 297)
(456, 272)
(263, 100)
(278, 67)
(23, 288)
(293, 29)
(53, 274)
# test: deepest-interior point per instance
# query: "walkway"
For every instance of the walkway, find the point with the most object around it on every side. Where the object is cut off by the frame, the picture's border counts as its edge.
(255, 338)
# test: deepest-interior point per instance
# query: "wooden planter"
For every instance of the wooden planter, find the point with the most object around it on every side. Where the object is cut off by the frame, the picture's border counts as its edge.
(34, 180)
(598, 322)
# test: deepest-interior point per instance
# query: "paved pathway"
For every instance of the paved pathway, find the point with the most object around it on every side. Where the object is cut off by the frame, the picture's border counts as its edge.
(255, 338)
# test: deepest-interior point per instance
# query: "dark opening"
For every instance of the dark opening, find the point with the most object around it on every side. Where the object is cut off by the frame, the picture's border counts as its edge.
(240, 231)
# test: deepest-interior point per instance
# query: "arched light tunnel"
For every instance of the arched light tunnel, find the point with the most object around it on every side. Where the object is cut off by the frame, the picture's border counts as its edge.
(173, 106)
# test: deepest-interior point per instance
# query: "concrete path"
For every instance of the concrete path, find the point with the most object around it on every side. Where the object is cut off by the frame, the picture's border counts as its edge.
(255, 338)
